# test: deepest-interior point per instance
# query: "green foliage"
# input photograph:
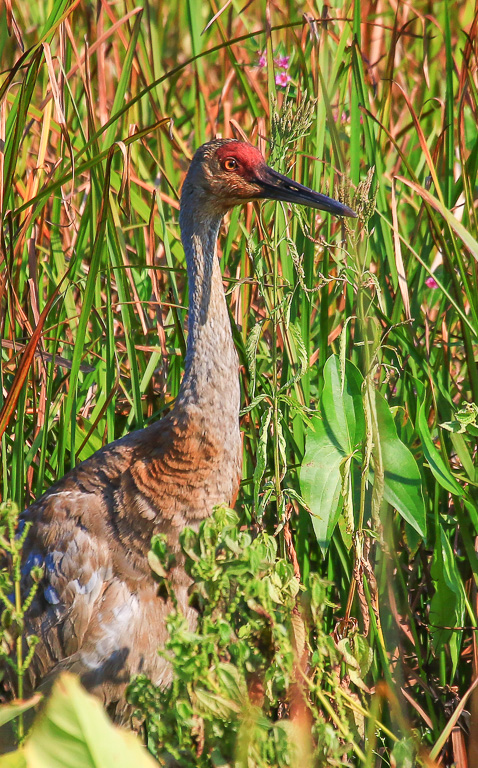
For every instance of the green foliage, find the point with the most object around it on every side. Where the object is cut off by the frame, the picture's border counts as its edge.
(11, 711)
(402, 481)
(73, 731)
(338, 438)
(257, 683)
(447, 607)
(14, 604)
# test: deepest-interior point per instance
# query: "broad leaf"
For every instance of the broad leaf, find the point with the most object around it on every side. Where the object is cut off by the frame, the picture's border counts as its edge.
(11, 711)
(15, 759)
(336, 436)
(447, 607)
(404, 753)
(438, 467)
(403, 487)
(402, 479)
(73, 731)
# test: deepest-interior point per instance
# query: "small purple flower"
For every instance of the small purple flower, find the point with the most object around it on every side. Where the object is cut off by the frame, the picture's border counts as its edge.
(262, 59)
(282, 62)
(431, 282)
(282, 79)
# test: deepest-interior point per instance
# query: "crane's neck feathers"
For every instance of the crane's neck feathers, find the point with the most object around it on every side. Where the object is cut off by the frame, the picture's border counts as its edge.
(211, 371)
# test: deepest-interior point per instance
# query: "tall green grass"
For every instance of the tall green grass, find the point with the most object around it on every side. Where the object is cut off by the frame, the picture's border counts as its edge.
(101, 108)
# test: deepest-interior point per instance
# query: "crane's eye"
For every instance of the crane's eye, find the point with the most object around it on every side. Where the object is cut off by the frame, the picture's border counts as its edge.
(230, 164)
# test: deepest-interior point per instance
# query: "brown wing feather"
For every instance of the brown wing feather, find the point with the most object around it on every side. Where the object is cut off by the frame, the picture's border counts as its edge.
(96, 611)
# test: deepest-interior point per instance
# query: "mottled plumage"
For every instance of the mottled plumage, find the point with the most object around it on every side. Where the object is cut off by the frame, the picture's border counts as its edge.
(97, 611)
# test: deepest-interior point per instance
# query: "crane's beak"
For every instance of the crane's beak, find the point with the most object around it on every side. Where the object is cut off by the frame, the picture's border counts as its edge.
(275, 186)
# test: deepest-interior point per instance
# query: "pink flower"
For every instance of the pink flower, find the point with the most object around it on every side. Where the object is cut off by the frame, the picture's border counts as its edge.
(262, 59)
(431, 282)
(282, 79)
(282, 62)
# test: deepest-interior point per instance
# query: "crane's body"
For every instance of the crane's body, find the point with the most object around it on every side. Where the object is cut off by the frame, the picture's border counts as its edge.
(97, 612)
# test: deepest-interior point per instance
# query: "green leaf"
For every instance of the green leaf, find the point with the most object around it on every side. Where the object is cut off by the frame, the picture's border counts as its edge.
(404, 754)
(403, 487)
(438, 467)
(15, 759)
(261, 462)
(73, 731)
(335, 438)
(251, 355)
(447, 607)
(462, 232)
(232, 681)
(215, 704)
(341, 404)
(358, 657)
(125, 77)
(11, 711)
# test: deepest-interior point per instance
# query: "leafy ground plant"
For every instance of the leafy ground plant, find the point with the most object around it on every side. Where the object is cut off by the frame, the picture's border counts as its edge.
(258, 683)
(14, 604)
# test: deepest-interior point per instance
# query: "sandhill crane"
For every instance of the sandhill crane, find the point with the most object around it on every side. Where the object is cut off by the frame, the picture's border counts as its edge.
(97, 612)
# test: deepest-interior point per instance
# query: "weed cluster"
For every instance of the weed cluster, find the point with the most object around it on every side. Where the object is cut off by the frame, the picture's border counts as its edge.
(259, 682)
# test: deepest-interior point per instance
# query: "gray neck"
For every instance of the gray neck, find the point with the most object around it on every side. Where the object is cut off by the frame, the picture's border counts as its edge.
(211, 381)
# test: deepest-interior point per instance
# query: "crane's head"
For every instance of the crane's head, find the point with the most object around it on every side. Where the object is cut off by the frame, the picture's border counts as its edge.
(227, 172)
